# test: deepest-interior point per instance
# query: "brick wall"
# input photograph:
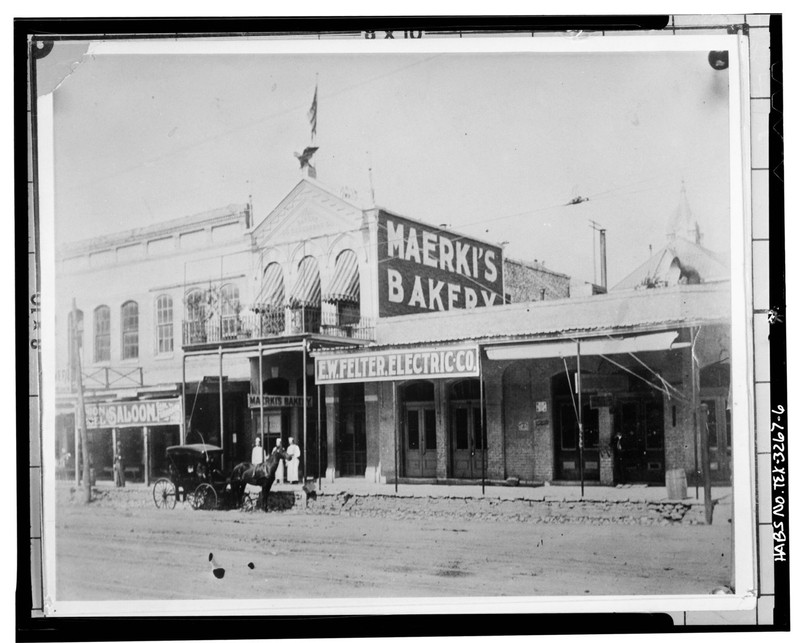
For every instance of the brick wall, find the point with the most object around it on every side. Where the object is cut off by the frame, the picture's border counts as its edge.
(519, 421)
(525, 281)
(493, 393)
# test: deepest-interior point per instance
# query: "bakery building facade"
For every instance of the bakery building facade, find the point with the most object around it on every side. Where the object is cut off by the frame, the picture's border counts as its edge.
(388, 348)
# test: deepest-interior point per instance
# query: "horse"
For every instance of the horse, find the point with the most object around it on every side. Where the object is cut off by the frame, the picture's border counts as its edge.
(262, 475)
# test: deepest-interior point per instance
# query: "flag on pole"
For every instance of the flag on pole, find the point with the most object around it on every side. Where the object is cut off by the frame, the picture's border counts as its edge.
(312, 114)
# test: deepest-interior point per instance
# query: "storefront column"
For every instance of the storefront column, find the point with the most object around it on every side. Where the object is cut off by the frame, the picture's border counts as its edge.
(332, 416)
(495, 437)
(386, 428)
(605, 429)
(679, 446)
(442, 422)
(372, 418)
(543, 421)
(77, 451)
(114, 440)
(146, 438)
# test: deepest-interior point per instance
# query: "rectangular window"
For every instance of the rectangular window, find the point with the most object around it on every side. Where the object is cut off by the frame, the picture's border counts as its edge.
(462, 436)
(130, 330)
(711, 419)
(164, 327)
(413, 429)
(430, 429)
(102, 334)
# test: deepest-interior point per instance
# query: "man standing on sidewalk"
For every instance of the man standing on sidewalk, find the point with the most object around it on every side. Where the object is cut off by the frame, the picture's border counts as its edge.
(619, 463)
(119, 470)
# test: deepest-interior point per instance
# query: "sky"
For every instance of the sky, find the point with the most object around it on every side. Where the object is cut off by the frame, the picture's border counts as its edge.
(494, 145)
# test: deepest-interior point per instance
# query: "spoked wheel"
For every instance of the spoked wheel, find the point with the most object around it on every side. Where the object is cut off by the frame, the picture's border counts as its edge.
(204, 497)
(164, 494)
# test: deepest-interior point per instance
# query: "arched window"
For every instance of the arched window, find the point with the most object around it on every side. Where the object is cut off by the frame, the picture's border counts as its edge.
(271, 296)
(229, 307)
(306, 292)
(344, 291)
(194, 318)
(74, 330)
(270, 301)
(130, 330)
(164, 328)
(102, 334)
(306, 297)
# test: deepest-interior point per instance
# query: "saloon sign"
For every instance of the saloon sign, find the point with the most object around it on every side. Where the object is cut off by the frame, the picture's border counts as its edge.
(140, 413)
(424, 269)
(376, 366)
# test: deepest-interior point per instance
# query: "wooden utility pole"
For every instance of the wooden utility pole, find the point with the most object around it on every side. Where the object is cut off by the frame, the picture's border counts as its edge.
(706, 463)
(80, 409)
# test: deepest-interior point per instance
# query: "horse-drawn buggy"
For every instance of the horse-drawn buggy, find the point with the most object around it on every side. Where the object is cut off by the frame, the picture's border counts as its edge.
(195, 476)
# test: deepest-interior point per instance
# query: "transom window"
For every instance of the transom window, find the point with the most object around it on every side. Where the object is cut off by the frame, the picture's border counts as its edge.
(130, 330)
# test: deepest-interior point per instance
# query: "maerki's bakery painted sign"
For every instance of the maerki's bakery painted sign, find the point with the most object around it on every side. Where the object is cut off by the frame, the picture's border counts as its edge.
(427, 269)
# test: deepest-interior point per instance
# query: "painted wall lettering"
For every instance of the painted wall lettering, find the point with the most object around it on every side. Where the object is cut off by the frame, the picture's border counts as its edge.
(426, 269)
(376, 366)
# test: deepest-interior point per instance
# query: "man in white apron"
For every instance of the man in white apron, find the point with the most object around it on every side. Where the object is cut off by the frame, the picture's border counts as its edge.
(257, 455)
(292, 462)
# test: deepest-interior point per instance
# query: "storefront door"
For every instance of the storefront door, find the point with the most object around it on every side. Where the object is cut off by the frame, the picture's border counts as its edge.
(719, 437)
(568, 452)
(467, 440)
(419, 439)
(273, 428)
(641, 422)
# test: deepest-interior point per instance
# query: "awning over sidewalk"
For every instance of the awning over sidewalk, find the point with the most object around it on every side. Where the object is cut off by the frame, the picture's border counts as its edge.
(595, 346)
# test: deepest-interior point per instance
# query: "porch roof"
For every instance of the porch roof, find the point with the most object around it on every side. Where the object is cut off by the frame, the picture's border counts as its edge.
(628, 312)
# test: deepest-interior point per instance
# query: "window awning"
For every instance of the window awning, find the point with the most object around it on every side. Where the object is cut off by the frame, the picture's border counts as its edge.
(272, 292)
(345, 285)
(594, 346)
(306, 291)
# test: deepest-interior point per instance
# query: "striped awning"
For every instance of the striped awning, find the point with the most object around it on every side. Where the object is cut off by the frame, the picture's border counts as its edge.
(306, 291)
(272, 292)
(345, 285)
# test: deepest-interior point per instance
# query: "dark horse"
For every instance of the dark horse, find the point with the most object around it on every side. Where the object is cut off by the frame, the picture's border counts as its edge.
(262, 475)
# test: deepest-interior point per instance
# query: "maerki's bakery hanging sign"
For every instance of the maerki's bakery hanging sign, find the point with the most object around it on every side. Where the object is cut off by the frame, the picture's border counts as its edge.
(426, 269)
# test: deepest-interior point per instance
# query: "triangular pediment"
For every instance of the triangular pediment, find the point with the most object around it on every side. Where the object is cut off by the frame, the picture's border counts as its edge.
(309, 210)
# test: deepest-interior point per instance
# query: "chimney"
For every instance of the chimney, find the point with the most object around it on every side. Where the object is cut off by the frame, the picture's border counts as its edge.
(603, 276)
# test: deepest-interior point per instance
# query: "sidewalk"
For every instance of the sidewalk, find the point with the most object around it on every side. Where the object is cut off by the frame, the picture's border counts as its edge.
(555, 493)
(547, 492)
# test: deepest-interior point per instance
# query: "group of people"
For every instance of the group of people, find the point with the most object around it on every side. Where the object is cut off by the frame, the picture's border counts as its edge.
(291, 473)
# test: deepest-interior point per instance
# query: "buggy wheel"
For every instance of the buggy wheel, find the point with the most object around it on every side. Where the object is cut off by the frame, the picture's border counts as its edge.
(204, 497)
(164, 494)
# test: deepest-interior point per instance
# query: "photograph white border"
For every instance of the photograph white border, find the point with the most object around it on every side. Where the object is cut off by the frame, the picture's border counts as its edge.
(741, 334)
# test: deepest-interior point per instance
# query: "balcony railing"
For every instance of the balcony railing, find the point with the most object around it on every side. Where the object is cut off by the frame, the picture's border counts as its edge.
(276, 323)
(107, 377)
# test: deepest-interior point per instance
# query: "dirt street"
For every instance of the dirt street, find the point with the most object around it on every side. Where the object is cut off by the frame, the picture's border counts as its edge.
(117, 549)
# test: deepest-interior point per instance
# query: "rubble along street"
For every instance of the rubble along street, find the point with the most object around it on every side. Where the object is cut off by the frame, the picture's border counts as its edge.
(374, 545)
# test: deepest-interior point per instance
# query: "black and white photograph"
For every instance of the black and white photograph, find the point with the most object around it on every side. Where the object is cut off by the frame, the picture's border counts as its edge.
(396, 324)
